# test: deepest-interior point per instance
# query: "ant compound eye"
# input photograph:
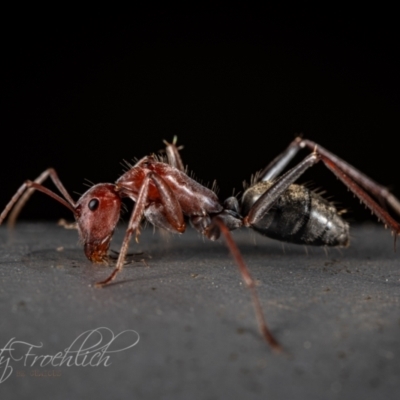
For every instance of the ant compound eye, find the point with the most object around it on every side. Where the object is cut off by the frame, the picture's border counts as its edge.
(93, 204)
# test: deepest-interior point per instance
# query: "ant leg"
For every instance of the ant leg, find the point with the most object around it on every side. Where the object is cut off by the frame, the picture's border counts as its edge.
(174, 158)
(377, 190)
(267, 199)
(250, 283)
(172, 211)
(279, 163)
(133, 225)
(172, 215)
(166, 213)
(363, 195)
(380, 192)
(25, 192)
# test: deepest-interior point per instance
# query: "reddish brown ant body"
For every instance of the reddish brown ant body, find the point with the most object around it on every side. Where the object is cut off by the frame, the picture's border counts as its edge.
(167, 197)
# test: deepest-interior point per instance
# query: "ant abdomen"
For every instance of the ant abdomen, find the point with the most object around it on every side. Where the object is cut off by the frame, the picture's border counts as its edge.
(298, 216)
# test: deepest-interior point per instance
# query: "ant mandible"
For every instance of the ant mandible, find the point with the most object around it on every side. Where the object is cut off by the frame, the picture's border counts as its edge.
(167, 197)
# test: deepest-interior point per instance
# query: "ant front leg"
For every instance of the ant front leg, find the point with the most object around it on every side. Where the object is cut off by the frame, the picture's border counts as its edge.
(23, 194)
(133, 225)
(171, 215)
(26, 190)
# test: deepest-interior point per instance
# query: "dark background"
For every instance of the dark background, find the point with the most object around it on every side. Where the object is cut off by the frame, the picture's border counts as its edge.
(82, 93)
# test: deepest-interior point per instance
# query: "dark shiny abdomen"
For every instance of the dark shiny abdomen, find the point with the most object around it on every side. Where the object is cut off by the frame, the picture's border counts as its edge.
(299, 216)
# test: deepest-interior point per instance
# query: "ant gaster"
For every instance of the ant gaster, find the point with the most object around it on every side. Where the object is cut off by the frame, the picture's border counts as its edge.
(167, 197)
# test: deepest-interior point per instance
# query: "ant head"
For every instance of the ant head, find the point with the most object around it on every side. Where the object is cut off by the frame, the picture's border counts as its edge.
(97, 213)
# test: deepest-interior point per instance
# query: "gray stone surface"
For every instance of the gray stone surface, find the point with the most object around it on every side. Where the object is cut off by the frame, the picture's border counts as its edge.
(335, 313)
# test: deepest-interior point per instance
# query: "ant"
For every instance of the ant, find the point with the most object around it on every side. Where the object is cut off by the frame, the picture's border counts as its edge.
(168, 198)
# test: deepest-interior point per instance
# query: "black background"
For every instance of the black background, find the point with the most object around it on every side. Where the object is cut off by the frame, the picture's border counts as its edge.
(82, 92)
